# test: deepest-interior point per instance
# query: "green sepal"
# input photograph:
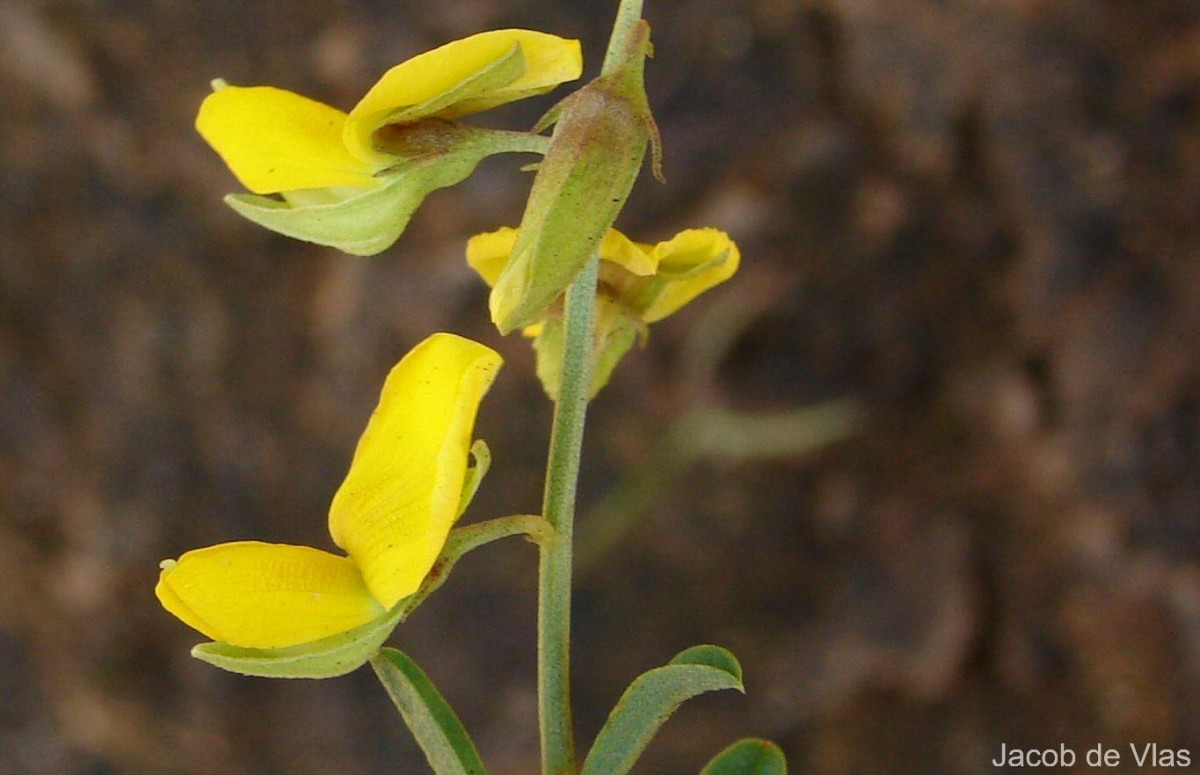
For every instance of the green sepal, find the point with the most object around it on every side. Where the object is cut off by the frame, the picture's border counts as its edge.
(328, 657)
(595, 154)
(548, 346)
(365, 223)
(652, 698)
(750, 756)
(432, 721)
(616, 334)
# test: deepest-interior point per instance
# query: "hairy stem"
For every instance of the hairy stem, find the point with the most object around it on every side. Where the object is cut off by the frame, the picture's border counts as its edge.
(628, 14)
(558, 507)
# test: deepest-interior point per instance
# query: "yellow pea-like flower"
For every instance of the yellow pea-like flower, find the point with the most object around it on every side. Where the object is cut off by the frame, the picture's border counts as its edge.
(639, 284)
(650, 281)
(391, 516)
(276, 141)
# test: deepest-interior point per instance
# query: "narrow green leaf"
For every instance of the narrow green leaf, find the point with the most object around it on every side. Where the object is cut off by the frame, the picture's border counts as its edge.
(750, 756)
(652, 698)
(711, 656)
(328, 657)
(429, 717)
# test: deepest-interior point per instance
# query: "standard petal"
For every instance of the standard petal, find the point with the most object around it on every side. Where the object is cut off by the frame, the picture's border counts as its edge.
(689, 264)
(461, 77)
(260, 595)
(394, 510)
(275, 140)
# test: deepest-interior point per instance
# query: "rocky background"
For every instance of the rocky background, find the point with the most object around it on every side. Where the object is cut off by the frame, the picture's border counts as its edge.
(978, 222)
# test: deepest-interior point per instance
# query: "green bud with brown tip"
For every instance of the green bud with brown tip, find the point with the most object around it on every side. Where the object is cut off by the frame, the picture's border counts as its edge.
(595, 154)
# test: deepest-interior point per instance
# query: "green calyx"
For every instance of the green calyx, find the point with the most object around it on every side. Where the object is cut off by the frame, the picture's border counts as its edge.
(616, 333)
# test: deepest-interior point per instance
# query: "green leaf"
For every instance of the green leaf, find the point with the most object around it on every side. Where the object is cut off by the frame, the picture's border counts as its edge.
(430, 719)
(710, 656)
(652, 698)
(750, 756)
(325, 658)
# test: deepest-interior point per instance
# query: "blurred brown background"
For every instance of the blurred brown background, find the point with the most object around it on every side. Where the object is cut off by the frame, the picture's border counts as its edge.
(978, 220)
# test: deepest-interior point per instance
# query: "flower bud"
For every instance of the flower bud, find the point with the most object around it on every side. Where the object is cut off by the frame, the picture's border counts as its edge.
(596, 151)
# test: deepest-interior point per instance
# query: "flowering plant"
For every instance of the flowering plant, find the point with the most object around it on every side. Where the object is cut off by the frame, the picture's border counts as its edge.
(584, 292)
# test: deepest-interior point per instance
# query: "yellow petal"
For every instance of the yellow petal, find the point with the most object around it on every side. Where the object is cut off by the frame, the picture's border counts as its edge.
(488, 252)
(549, 61)
(636, 258)
(422, 82)
(260, 595)
(275, 140)
(401, 496)
(690, 263)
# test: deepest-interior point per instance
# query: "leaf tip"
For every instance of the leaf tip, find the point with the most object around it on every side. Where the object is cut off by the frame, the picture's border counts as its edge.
(711, 656)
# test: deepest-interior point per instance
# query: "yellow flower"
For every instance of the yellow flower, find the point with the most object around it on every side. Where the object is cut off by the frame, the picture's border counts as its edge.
(275, 141)
(639, 284)
(650, 281)
(391, 515)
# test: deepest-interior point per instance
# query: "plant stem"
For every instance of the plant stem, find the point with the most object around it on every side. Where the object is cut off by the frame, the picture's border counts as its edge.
(629, 12)
(558, 508)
